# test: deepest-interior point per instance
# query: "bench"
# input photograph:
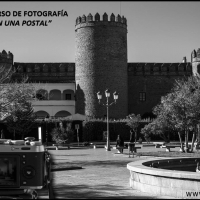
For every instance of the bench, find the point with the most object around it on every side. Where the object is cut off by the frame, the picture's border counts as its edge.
(170, 146)
(134, 149)
(119, 148)
(93, 145)
(158, 145)
(61, 145)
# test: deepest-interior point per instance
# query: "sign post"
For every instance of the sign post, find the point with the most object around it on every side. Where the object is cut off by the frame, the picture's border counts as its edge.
(40, 134)
(77, 127)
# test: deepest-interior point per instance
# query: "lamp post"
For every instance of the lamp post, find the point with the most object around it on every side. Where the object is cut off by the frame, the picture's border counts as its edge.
(115, 96)
(46, 119)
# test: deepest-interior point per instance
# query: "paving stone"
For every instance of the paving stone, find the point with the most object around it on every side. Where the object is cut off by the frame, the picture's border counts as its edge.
(103, 175)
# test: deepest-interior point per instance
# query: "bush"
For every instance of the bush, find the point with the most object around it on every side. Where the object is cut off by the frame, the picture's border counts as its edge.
(62, 135)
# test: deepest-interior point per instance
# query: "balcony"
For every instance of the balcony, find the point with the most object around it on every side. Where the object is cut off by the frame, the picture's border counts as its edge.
(54, 103)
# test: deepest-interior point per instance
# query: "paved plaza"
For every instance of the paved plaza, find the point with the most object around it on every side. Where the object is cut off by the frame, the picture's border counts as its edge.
(104, 174)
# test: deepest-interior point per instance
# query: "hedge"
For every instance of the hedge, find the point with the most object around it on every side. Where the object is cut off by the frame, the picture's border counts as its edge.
(50, 125)
(93, 130)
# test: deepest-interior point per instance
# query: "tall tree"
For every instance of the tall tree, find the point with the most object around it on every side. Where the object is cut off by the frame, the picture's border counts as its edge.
(180, 109)
(16, 98)
(22, 118)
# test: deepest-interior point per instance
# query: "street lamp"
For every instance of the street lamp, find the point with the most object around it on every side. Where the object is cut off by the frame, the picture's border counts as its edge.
(115, 96)
(46, 119)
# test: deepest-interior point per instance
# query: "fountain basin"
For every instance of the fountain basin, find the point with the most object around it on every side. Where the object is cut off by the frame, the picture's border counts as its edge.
(173, 177)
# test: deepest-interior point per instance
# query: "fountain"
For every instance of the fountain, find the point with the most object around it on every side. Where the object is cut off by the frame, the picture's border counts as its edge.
(174, 177)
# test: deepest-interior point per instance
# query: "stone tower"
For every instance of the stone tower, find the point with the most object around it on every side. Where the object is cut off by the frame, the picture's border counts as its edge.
(195, 60)
(6, 58)
(101, 63)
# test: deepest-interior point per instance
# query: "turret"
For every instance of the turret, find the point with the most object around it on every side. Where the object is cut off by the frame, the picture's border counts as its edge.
(101, 63)
(195, 60)
(6, 58)
(81, 20)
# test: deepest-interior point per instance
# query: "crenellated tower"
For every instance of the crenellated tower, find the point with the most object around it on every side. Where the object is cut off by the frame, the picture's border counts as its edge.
(6, 58)
(101, 63)
(195, 60)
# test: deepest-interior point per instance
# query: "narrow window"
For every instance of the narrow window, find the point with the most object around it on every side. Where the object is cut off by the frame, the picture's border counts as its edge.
(142, 96)
(68, 97)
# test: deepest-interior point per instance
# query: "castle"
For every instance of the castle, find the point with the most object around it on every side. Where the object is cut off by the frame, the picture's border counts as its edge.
(101, 62)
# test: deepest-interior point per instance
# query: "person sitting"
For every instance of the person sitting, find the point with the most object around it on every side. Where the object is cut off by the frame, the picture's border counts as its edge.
(120, 143)
(140, 140)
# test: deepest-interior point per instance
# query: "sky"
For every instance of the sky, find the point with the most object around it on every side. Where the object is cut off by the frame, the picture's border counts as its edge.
(157, 31)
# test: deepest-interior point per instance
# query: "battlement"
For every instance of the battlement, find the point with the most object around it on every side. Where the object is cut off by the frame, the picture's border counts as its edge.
(6, 57)
(44, 67)
(90, 21)
(166, 69)
(46, 72)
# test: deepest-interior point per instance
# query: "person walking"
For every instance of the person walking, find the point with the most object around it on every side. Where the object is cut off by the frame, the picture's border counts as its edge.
(131, 141)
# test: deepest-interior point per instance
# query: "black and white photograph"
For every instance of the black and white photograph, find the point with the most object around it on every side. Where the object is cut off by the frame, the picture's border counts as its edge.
(99, 100)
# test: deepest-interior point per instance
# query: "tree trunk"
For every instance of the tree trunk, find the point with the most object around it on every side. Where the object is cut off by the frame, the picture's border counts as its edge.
(164, 138)
(193, 139)
(135, 130)
(198, 134)
(186, 141)
(181, 141)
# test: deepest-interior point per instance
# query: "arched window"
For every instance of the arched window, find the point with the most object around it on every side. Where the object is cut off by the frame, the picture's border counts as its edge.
(55, 95)
(41, 114)
(62, 113)
(42, 94)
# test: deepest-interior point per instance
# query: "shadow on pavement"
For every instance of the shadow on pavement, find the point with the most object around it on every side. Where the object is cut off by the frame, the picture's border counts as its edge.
(83, 191)
(54, 155)
(107, 163)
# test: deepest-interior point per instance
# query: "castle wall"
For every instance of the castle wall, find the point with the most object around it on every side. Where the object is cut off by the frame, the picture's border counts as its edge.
(101, 63)
(155, 79)
(46, 72)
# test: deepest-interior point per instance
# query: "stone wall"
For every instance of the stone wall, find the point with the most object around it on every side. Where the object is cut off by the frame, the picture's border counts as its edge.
(46, 72)
(172, 178)
(155, 79)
